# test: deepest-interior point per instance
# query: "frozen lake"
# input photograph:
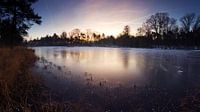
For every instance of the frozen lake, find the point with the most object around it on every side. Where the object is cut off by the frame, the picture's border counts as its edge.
(122, 78)
(126, 65)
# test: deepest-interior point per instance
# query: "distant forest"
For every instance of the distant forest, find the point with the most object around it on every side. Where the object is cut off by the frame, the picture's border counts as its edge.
(158, 31)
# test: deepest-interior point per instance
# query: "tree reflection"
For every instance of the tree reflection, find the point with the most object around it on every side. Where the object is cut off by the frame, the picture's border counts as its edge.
(64, 54)
(158, 69)
(125, 60)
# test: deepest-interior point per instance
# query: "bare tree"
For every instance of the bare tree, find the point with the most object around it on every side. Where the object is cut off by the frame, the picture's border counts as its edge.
(159, 23)
(126, 30)
(75, 33)
(63, 35)
(187, 22)
(144, 30)
(197, 24)
(153, 23)
(163, 21)
(172, 26)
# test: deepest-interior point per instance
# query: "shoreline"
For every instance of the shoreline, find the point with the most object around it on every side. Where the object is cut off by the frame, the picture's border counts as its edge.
(155, 48)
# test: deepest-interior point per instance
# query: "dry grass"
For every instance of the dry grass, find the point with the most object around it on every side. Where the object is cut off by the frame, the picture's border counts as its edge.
(14, 62)
(19, 88)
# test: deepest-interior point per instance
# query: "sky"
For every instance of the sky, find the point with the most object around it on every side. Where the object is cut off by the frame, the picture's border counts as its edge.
(103, 16)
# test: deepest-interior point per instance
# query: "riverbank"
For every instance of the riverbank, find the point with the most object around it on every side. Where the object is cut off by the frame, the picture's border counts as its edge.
(19, 88)
(23, 87)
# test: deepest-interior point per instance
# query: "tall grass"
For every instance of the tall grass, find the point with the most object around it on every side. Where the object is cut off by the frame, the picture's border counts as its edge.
(19, 88)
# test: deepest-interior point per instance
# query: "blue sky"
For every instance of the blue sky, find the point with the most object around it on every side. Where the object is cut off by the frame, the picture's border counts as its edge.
(103, 16)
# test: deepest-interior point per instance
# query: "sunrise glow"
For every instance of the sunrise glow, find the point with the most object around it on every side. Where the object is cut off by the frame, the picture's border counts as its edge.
(103, 16)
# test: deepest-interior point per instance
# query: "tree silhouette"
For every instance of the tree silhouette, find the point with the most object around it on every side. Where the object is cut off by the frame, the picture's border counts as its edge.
(16, 17)
(172, 25)
(197, 24)
(126, 30)
(63, 35)
(187, 21)
(145, 29)
(159, 24)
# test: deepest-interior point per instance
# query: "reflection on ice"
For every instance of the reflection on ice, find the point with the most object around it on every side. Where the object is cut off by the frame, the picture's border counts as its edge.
(121, 78)
(125, 65)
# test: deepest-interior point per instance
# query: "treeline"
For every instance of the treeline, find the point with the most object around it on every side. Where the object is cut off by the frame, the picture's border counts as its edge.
(158, 31)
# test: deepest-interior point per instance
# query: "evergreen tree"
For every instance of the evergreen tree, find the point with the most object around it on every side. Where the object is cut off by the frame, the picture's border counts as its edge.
(16, 17)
